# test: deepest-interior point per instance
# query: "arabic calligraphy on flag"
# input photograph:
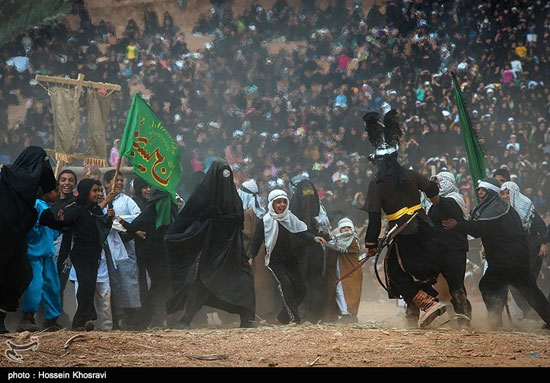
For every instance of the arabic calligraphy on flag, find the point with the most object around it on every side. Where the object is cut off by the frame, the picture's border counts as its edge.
(150, 148)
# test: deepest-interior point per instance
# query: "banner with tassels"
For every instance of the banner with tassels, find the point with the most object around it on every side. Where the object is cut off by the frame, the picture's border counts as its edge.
(99, 106)
(66, 115)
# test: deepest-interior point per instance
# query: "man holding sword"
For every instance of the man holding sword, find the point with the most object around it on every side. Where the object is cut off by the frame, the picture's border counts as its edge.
(412, 264)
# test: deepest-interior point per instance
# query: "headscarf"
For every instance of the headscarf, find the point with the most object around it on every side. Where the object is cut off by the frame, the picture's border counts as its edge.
(344, 240)
(425, 202)
(83, 188)
(491, 207)
(19, 186)
(521, 204)
(103, 223)
(138, 184)
(30, 171)
(249, 195)
(294, 181)
(305, 203)
(489, 184)
(272, 220)
(449, 189)
(215, 191)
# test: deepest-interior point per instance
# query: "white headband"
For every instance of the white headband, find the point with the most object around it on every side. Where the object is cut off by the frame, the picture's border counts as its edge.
(488, 185)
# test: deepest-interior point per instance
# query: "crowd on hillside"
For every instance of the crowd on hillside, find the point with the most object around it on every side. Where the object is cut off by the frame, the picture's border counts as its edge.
(274, 115)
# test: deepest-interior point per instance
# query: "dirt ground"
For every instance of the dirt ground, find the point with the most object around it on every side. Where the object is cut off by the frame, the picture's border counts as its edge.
(380, 339)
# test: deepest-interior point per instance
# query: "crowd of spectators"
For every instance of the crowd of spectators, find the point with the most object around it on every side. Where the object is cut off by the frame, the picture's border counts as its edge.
(275, 115)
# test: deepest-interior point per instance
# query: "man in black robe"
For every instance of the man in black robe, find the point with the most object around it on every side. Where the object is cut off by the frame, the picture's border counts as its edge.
(452, 245)
(19, 184)
(205, 254)
(506, 250)
(412, 264)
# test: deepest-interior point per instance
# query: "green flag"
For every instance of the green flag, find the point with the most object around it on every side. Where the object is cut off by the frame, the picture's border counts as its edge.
(476, 157)
(153, 153)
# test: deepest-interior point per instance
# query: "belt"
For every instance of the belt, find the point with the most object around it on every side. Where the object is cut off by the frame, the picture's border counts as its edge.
(400, 213)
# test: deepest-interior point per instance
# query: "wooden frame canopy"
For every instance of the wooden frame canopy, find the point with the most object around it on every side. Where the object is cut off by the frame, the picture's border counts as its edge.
(79, 84)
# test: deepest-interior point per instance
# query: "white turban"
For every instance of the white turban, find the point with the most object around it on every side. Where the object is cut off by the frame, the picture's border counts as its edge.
(272, 220)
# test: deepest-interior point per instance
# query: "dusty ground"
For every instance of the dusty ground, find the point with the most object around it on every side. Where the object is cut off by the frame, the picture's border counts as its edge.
(380, 339)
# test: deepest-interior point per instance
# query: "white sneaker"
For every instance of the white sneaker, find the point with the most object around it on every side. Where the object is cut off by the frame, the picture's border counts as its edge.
(433, 311)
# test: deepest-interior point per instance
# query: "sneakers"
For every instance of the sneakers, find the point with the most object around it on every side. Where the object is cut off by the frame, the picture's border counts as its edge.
(429, 307)
(27, 323)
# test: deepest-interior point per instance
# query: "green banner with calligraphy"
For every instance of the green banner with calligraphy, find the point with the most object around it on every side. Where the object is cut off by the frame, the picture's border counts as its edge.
(150, 148)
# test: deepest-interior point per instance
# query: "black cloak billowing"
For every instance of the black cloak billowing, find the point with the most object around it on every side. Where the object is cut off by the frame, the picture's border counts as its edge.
(19, 184)
(204, 245)
(306, 206)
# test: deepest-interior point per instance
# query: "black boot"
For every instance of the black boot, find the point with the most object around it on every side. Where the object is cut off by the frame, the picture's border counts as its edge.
(247, 319)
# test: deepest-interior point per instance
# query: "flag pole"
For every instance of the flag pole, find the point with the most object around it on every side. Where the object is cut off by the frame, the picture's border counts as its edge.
(118, 162)
(474, 152)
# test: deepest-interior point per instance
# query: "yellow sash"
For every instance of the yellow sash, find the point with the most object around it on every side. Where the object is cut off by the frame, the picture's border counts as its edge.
(400, 213)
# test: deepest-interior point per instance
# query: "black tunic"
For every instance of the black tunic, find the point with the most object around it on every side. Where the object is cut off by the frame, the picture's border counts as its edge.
(447, 208)
(503, 238)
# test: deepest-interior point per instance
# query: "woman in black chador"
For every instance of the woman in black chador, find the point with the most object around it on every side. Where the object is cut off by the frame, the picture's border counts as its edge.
(306, 206)
(205, 252)
(19, 184)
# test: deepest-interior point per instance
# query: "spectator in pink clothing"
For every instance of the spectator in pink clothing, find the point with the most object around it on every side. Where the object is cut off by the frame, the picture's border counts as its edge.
(343, 62)
(196, 163)
(508, 75)
(113, 157)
